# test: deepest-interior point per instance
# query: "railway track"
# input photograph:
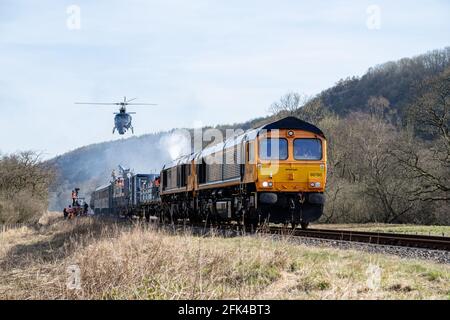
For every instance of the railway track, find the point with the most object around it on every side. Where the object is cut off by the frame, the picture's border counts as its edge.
(377, 238)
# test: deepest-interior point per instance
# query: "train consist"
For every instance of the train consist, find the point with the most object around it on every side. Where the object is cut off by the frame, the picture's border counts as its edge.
(127, 194)
(275, 173)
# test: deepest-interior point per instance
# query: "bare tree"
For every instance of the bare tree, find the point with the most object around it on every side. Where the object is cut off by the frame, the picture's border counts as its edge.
(366, 183)
(428, 163)
(377, 170)
(422, 163)
(289, 104)
(432, 108)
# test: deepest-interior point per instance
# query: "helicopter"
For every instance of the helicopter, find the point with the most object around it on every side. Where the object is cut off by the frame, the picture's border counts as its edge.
(122, 119)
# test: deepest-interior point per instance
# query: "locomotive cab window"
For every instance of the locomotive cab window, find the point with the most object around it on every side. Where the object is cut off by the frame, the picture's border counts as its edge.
(273, 149)
(307, 149)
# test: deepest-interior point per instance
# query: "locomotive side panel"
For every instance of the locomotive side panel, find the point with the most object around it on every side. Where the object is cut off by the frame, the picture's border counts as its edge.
(231, 167)
(214, 167)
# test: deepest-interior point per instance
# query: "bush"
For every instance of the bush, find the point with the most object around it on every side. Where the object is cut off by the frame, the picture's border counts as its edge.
(24, 183)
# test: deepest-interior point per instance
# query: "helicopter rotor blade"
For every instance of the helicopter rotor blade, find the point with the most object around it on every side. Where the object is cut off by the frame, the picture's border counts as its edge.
(142, 104)
(130, 100)
(99, 103)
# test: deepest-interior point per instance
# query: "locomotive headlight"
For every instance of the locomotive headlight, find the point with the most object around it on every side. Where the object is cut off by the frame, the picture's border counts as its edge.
(312, 184)
(317, 184)
(270, 184)
(290, 133)
(265, 184)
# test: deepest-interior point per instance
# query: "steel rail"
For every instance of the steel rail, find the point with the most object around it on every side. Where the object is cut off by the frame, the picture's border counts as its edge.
(378, 238)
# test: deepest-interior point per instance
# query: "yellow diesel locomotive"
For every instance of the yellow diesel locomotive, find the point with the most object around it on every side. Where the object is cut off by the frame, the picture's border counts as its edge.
(275, 173)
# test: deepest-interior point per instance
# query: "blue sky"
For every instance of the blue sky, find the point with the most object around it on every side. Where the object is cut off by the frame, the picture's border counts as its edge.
(202, 61)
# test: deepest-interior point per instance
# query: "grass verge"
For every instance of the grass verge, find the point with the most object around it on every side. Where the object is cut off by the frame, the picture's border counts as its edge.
(139, 262)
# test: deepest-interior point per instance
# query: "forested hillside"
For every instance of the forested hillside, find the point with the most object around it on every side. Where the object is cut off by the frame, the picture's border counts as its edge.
(395, 81)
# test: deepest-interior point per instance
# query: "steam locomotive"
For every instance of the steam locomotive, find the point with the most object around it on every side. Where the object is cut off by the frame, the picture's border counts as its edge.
(275, 173)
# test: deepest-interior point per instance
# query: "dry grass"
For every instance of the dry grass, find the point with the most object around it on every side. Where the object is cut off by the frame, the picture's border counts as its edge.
(138, 262)
(49, 218)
